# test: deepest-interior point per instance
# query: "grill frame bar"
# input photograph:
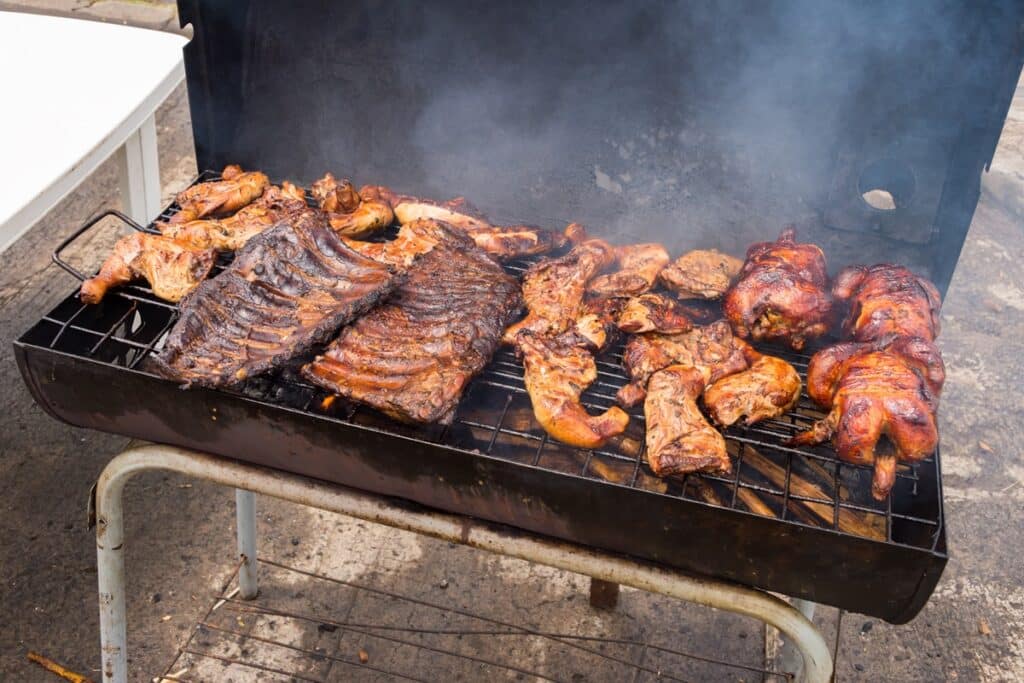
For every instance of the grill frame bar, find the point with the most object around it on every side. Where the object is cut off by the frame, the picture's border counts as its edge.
(86, 395)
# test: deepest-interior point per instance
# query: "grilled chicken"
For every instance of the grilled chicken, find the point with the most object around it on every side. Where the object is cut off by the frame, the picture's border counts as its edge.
(413, 356)
(501, 242)
(289, 288)
(883, 397)
(679, 439)
(639, 265)
(172, 268)
(229, 234)
(781, 292)
(653, 313)
(767, 389)
(885, 299)
(333, 196)
(553, 288)
(235, 189)
(711, 349)
(351, 214)
(413, 240)
(557, 371)
(701, 274)
(596, 322)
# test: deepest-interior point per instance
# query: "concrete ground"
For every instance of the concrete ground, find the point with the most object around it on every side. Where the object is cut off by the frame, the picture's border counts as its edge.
(180, 533)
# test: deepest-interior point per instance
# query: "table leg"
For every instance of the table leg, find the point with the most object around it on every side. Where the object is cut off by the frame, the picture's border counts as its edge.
(139, 169)
(245, 515)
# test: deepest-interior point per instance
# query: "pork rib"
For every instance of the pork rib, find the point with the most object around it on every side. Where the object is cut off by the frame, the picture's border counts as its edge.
(413, 357)
(290, 287)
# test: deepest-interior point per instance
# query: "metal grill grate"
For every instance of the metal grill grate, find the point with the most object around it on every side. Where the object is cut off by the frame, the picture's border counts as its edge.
(803, 486)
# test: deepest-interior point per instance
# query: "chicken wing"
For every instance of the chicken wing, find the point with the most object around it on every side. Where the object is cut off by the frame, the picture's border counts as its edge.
(229, 234)
(333, 196)
(501, 242)
(639, 265)
(679, 439)
(781, 292)
(235, 189)
(553, 288)
(352, 214)
(653, 313)
(701, 274)
(886, 299)
(883, 397)
(767, 389)
(710, 349)
(557, 371)
(172, 268)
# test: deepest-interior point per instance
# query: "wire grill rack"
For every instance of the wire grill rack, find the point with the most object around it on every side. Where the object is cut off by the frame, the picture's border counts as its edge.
(310, 626)
(804, 486)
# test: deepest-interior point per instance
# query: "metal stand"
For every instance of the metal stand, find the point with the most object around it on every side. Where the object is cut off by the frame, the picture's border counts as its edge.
(798, 630)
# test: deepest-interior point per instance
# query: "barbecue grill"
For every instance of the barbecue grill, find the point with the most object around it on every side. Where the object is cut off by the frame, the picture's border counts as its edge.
(617, 119)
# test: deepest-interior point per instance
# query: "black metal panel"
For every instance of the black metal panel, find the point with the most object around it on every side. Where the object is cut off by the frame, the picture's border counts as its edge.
(699, 124)
(891, 581)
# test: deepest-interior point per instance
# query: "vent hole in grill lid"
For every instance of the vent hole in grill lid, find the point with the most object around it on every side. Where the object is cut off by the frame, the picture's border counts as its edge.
(887, 184)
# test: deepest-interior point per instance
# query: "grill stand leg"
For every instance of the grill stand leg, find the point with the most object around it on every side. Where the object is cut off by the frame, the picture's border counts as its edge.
(816, 657)
(245, 515)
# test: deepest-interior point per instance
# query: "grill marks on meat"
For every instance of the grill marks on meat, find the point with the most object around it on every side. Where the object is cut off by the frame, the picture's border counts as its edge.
(235, 189)
(767, 389)
(230, 234)
(781, 292)
(701, 274)
(557, 371)
(679, 439)
(172, 268)
(883, 397)
(639, 266)
(886, 299)
(710, 349)
(553, 289)
(412, 357)
(653, 313)
(289, 288)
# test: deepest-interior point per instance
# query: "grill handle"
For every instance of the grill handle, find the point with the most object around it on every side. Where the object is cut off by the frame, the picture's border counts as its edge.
(82, 230)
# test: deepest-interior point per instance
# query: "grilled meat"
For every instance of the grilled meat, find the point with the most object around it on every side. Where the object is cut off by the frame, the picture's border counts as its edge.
(553, 288)
(885, 299)
(888, 388)
(229, 234)
(639, 265)
(412, 357)
(235, 189)
(701, 274)
(352, 214)
(172, 268)
(711, 349)
(653, 313)
(767, 389)
(333, 196)
(679, 439)
(781, 292)
(501, 242)
(413, 240)
(557, 371)
(289, 288)
(596, 323)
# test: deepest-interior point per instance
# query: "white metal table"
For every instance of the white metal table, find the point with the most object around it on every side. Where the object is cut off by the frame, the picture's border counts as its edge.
(76, 92)
(108, 514)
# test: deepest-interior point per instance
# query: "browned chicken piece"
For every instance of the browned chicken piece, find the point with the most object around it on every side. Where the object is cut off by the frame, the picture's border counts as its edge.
(781, 292)
(639, 265)
(368, 217)
(501, 242)
(229, 234)
(886, 299)
(883, 397)
(235, 189)
(413, 240)
(557, 371)
(701, 274)
(553, 288)
(653, 313)
(596, 323)
(679, 439)
(767, 389)
(172, 268)
(711, 349)
(334, 196)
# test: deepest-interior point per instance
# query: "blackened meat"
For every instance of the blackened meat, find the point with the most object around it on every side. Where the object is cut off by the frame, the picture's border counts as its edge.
(289, 288)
